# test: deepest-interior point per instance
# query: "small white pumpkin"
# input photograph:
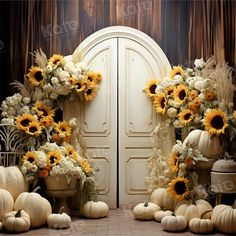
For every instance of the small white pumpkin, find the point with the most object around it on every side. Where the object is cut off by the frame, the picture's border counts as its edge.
(210, 147)
(36, 206)
(201, 226)
(95, 209)
(13, 180)
(145, 211)
(174, 223)
(224, 218)
(16, 221)
(159, 215)
(190, 210)
(59, 221)
(6, 202)
(161, 197)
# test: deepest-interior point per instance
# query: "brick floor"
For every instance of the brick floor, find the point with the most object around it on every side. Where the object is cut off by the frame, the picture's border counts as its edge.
(119, 222)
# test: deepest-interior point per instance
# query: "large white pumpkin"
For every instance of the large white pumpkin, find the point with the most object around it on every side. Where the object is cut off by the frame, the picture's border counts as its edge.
(161, 197)
(209, 146)
(36, 206)
(6, 202)
(13, 180)
(95, 209)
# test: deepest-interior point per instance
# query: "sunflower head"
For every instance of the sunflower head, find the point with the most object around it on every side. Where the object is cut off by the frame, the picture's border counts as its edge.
(177, 70)
(34, 129)
(93, 77)
(170, 90)
(23, 121)
(178, 188)
(150, 88)
(195, 104)
(180, 93)
(215, 121)
(30, 156)
(86, 166)
(193, 94)
(35, 76)
(43, 110)
(160, 102)
(186, 116)
(56, 60)
(70, 151)
(90, 93)
(173, 163)
(47, 121)
(62, 128)
(209, 95)
(53, 158)
(80, 86)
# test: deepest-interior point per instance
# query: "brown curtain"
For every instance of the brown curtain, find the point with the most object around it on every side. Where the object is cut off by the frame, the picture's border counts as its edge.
(185, 30)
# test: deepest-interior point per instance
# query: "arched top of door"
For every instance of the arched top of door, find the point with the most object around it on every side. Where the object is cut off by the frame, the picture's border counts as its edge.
(122, 32)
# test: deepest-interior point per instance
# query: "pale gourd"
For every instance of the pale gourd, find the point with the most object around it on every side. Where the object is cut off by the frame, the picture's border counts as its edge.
(16, 221)
(59, 221)
(159, 215)
(224, 218)
(201, 226)
(6, 202)
(95, 209)
(190, 210)
(145, 211)
(36, 206)
(13, 180)
(209, 146)
(161, 197)
(174, 223)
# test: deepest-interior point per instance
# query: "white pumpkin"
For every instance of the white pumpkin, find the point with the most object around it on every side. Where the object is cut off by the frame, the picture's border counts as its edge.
(161, 197)
(36, 206)
(209, 146)
(159, 215)
(16, 221)
(224, 218)
(13, 180)
(6, 202)
(59, 221)
(201, 226)
(95, 209)
(145, 211)
(190, 210)
(174, 223)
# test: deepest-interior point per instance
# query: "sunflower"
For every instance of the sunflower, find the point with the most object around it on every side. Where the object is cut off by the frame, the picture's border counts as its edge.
(178, 188)
(23, 121)
(170, 90)
(72, 80)
(53, 158)
(177, 70)
(63, 128)
(173, 163)
(93, 77)
(43, 110)
(209, 95)
(47, 121)
(34, 129)
(185, 116)
(159, 102)
(195, 104)
(90, 93)
(56, 59)
(180, 93)
(35, 76)
(193, 94)
(30, 156)
(151, 86)
(80, 85)
(215, 121)
(86, 166)
(70, 151)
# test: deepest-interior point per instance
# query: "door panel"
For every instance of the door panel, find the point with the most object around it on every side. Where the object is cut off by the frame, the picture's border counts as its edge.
(137, 119)
(99, 121)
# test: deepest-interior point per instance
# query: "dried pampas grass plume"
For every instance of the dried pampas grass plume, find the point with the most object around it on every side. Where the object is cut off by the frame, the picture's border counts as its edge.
(40, 58)
(23, 89)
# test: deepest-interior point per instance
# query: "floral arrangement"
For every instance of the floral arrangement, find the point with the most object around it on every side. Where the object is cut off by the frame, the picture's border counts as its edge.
(202, 98)
(33, 111)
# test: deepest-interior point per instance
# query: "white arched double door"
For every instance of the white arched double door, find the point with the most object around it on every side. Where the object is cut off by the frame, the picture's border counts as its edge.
(118, 125)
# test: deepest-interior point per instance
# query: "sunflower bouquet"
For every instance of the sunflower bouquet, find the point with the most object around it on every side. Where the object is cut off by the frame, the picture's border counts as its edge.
(183, 182)
(184, 96)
